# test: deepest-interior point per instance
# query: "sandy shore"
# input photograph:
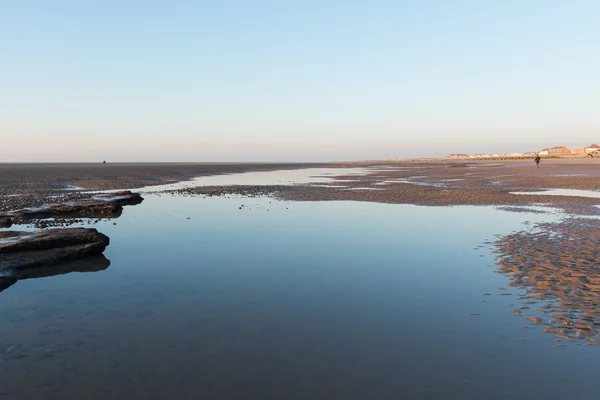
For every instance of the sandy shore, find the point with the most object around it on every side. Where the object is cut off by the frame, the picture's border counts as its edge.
(553, 270)
(19, 178)
(26, 185)
(446, 184)
(454, 183)
(422, 183)
(541, 266)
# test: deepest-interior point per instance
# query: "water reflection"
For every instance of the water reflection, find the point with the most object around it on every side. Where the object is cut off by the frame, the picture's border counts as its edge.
(285, 300)
(562, 192)
(278, 177)
(90, 264)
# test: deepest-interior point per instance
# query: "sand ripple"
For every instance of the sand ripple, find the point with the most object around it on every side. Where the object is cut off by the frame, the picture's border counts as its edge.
(557, 266)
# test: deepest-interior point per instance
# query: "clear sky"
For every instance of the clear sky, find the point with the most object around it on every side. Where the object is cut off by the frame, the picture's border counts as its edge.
(250, 80)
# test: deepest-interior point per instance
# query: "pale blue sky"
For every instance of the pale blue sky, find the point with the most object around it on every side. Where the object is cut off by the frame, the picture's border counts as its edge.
(230, 80)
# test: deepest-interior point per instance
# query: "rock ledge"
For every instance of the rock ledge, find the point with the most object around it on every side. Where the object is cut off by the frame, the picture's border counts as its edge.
(21, 250)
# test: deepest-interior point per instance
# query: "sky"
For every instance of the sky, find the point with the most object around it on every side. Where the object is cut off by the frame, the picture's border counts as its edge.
(283, 80)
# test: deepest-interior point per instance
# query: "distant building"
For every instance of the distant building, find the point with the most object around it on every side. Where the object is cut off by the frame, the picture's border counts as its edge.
(458, 155)
(480, 156)
(591, 148)
(578, 150)
(555, 151)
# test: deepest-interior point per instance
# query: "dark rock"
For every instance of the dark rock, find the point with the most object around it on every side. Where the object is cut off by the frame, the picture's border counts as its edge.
(5, 223)
(85, 208)
(125, 198)
(6, 282)
(106, 205)
(21, 250)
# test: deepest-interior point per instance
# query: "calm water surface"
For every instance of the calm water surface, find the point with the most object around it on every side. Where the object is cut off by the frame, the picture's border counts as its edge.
(286, 300)
(564, 192)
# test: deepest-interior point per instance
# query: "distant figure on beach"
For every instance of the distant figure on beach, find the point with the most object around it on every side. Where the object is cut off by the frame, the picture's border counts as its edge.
(103, 162)
(537, 161)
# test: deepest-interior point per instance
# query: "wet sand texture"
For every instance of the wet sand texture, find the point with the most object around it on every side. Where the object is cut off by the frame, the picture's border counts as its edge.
(557, 266)
(434, 184)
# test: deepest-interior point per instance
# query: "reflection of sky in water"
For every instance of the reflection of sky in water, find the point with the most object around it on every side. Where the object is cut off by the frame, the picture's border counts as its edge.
(282, 177)
(278, 177)
(285, 300)
(563, 192)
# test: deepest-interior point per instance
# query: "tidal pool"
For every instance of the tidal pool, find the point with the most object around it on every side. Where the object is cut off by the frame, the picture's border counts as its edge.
(237, 298)
(277, 177)
(563, 192)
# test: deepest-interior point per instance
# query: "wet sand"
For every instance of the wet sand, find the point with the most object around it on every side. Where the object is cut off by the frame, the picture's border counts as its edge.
(554, 268)
(551, 268)
(445, 184)
(420, 183)
(482, 183)
(30, 177)
(29, 185)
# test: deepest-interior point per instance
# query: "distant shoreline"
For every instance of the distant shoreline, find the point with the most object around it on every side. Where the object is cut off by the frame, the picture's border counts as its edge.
(566, 158)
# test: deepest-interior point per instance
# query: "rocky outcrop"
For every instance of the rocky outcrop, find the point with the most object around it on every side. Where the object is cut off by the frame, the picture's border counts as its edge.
(5, 223)
(124, 198)
(84, 208)
(22, 250)
(6, 282)
(105, 205)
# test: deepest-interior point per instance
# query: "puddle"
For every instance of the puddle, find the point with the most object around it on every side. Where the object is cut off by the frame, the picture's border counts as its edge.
(72, 188)
(562, 192)
(280, 177)
(327, 186)
(420, 183)
(571, 175)
(363, 188)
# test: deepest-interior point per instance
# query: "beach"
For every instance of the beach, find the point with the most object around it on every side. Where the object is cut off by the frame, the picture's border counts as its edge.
(27, 185)
(423, 183)
(245, 279)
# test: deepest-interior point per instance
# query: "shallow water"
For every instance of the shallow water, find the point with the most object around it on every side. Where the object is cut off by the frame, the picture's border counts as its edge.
(286, 300)
(563, 192)
(278, 177)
